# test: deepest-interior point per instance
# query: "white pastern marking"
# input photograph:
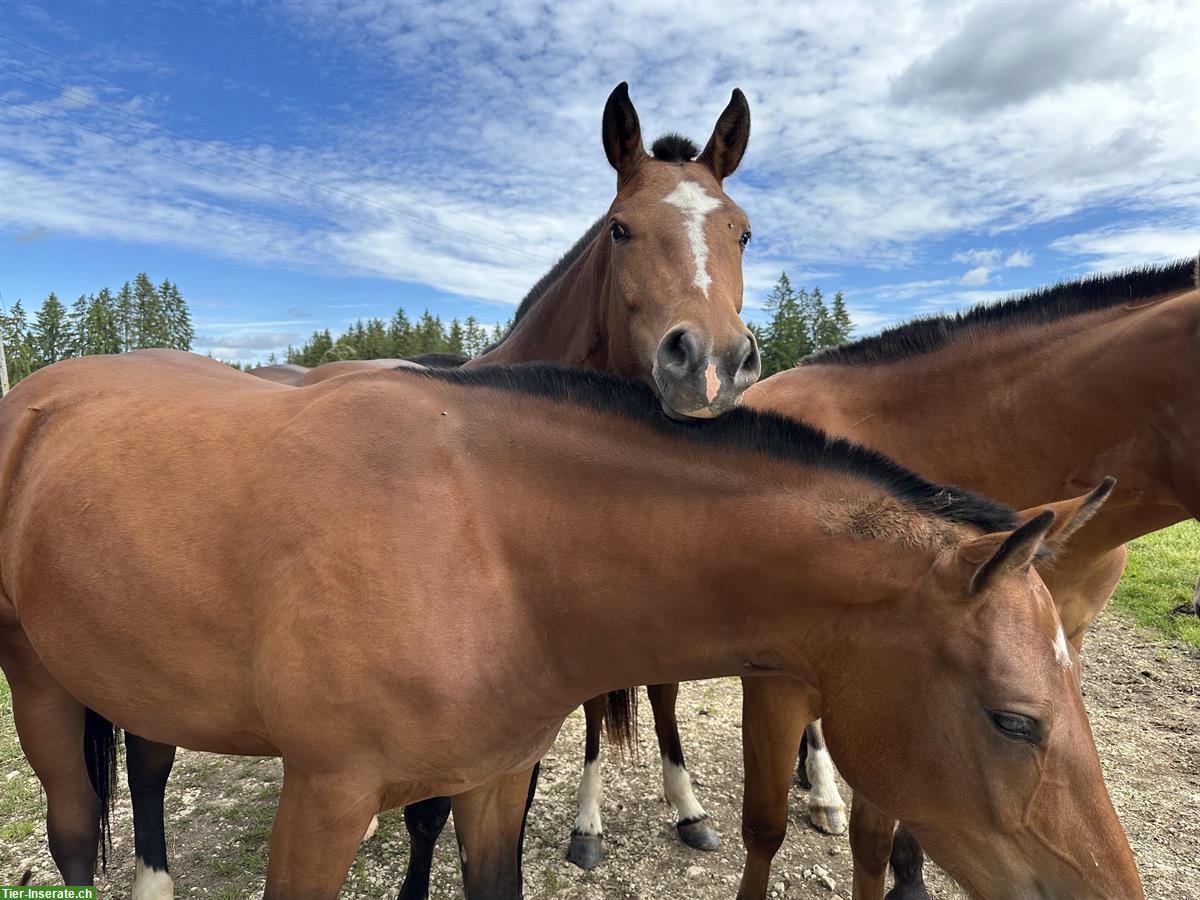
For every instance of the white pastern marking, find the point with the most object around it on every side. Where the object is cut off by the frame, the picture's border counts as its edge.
(712, 383)
(151, 884)
(691, 199)
(590, 790)
(1062, 654)
(677, 788)
(821, 775)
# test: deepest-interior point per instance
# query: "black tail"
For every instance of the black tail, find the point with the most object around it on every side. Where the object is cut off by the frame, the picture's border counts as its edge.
(620, 719)
(100, 753)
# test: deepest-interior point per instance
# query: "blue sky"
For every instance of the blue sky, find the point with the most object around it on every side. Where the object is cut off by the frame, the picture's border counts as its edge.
(294, 166)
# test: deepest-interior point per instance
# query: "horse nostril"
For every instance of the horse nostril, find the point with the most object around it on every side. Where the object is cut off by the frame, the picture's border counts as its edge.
(750, 360)
(680, 349)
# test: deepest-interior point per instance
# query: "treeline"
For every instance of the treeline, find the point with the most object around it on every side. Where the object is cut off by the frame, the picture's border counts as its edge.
(800, 324)
(398, 338)
(137, 316)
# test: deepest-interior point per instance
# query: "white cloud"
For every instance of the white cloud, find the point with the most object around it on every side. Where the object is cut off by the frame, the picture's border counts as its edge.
(977, 275)
(1118, 248)
(867, 144)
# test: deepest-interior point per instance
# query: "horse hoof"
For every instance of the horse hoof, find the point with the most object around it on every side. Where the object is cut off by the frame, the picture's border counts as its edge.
(828, 819)
(586, 850)
(908, 892)
(371, 829)
(698, 834)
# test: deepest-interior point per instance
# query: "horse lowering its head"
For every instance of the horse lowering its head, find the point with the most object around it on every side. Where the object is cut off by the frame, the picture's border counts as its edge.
(653, 291)
(1011, 772)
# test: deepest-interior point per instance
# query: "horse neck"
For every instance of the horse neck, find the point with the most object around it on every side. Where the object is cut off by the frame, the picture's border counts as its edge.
(566, 324)
(665, 563)
(1030, 415)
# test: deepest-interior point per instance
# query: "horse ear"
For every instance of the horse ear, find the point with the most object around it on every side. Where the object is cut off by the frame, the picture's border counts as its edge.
(1005, 551)
(622, 133)
(729, 138)
(1070, 515)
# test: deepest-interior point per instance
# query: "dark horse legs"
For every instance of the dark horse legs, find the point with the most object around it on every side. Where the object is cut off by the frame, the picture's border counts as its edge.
(424, 821)
(51, 726)
(148, 765)
(908, 860)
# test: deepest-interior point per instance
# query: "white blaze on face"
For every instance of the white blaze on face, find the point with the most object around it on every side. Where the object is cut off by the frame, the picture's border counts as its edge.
(691, 199)
(1062, 654)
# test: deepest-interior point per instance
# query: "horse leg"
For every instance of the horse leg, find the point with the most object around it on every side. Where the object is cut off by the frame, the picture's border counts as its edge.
(691, 820)
(587, 837)
(147, 766)
(826, 810)
(802, 764)
(908, 861)
(318, 827)
(1196, 598)
(489, 822)
(870, 844)
(51, 727)
(774, 712)
(424, 821)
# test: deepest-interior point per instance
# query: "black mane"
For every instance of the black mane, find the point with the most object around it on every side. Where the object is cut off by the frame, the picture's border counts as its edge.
(742, 429)
(1039, 307)
(673, 147)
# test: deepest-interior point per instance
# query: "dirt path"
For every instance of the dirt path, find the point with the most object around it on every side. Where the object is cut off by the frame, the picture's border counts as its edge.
(1143, 697)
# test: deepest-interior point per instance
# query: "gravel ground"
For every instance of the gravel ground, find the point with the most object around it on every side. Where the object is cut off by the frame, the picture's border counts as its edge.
(1143, 696)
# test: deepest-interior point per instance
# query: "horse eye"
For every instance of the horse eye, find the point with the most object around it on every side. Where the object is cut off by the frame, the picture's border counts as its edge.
(745, 239)
(1017, 727)
(618, 231)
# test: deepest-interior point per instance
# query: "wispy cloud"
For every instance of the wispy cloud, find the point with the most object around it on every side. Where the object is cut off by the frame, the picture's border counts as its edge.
(877, 138)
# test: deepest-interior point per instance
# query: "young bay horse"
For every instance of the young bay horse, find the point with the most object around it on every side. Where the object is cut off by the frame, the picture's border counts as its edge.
(162, 571)
(1034, 397)
(652, 291)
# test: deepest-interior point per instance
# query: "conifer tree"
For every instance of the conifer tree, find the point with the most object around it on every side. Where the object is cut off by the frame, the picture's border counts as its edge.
(474, 338)
(787, 333)
(430, 334)
(455, 338)
(177, 331)
(126, 314)
(151, 322)
(401, 341)
(18, 343)
(77, 336)
(100, 323)
(51, 333)
(840, 316)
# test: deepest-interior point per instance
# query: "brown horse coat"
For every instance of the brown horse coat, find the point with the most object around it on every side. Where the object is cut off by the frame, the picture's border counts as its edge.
(219, 563)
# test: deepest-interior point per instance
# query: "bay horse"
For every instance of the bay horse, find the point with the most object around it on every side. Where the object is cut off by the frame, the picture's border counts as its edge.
(652, 291)
(1034, 397)
(161, 572)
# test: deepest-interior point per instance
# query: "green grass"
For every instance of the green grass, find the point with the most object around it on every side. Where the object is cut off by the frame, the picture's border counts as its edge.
(1159, 577)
